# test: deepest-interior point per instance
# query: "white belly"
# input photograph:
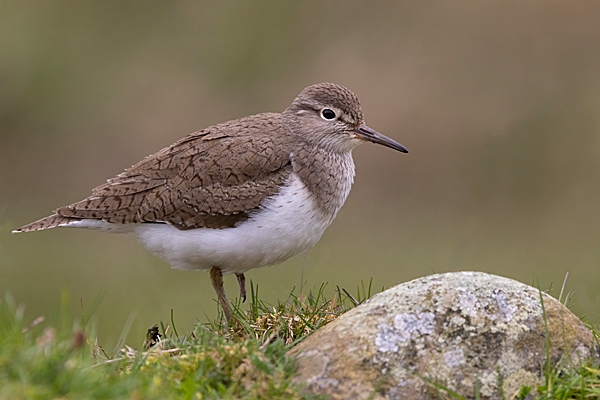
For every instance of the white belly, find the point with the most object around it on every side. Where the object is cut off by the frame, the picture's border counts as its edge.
(287, 224)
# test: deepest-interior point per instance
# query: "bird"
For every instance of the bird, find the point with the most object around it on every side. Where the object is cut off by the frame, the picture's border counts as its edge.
(239, 195)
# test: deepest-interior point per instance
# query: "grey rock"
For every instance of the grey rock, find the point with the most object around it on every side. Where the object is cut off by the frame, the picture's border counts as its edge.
(469, 332)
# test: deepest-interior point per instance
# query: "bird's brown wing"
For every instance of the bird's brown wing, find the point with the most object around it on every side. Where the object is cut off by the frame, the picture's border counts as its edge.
(212, 179)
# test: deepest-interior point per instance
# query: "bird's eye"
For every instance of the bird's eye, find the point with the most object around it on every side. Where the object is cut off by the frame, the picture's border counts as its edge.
(328, 114)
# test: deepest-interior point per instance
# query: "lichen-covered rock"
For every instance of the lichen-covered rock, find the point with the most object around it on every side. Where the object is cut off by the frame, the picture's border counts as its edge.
(466, 331)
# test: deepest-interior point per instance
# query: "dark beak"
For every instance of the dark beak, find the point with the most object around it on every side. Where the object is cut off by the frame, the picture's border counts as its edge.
(366, 133)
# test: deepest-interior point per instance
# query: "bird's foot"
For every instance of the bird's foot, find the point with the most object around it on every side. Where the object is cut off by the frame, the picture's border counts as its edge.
(242, 282)
(216, 278)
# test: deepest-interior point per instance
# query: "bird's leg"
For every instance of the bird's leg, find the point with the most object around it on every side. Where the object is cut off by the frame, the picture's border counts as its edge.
(242, 282)
(216, 278)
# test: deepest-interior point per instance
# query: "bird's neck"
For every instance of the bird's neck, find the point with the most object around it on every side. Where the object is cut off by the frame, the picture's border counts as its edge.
(327, 175)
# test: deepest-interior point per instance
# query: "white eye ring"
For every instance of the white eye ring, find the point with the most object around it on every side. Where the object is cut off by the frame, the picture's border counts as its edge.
(328, 114)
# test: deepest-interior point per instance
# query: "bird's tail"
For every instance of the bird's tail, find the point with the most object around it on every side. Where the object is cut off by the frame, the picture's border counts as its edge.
(46, 223)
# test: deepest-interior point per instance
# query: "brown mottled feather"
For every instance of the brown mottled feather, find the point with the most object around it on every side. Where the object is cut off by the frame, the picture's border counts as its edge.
(52, 221)
(212, 178)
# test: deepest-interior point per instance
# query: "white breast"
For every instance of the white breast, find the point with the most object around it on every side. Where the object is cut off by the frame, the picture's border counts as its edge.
(287, 224)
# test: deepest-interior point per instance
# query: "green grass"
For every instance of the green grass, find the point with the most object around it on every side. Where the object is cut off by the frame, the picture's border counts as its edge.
(61, 359)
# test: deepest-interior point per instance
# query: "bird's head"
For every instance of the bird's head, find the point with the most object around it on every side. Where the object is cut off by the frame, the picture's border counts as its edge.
(330, 116)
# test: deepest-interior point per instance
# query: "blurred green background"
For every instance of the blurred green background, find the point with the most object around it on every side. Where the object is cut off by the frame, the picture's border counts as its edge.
(497, 101)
